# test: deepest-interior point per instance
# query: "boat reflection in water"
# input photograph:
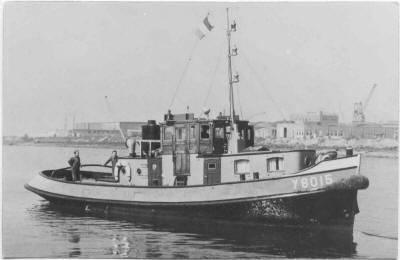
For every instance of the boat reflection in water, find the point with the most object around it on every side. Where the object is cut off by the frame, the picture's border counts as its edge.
(153, 236)
(74, 238)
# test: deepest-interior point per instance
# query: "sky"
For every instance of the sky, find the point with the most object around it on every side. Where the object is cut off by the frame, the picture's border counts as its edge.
(60, 60)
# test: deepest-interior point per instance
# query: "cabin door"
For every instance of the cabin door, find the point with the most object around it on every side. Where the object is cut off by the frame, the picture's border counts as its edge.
(212, 171)
(182, 164)
(154, 171)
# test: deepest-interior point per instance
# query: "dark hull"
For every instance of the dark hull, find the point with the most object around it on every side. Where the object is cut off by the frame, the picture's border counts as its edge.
(331, 208)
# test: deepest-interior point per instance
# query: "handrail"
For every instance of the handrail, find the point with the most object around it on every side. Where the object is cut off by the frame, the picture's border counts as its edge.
(83, 165)
(100, 165)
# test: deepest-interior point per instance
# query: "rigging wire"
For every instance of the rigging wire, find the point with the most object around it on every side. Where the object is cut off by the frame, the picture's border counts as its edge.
(259, 81)
(238, 99)
(213, 77)
(183, 73)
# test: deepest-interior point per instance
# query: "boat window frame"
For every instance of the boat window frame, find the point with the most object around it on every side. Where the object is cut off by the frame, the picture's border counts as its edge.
(208, 132)
(276, 158)
(192, 132)
(219, 132)
(167, 128)
(212, 168)
(180, 133)
(256, 175)
(236, 166)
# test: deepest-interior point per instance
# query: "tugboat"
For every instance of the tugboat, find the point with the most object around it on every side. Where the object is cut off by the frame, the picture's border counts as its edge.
(201, 167)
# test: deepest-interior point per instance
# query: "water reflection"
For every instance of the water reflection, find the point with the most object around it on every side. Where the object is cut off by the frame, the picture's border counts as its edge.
(74, 238)
(160, 236)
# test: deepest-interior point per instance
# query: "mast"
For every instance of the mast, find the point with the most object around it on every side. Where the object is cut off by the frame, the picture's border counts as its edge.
(229, 29)
(231, 104)
(233, 137)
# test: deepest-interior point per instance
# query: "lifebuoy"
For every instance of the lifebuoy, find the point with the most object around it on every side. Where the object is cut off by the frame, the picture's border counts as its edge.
(122, 167)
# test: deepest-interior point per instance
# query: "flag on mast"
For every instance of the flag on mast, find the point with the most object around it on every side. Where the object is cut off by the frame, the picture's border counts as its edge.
(207, 24)
(203, 28)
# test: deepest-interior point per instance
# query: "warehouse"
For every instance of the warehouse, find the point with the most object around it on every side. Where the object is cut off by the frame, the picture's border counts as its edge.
(107, 129)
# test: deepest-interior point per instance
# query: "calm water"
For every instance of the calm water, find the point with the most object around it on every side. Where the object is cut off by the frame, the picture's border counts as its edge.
(33, 228)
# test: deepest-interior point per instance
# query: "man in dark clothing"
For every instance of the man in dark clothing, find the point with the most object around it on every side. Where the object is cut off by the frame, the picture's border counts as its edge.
(113, 159)
(75, 163)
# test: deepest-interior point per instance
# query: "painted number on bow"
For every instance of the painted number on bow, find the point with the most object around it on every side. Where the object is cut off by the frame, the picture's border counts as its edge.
(304, 183)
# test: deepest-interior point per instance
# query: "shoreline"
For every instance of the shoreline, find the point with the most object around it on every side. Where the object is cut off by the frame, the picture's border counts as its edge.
(369, 151)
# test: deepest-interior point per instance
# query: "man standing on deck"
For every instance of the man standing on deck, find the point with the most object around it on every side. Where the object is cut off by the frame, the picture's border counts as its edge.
(75, 163)
(113, 159)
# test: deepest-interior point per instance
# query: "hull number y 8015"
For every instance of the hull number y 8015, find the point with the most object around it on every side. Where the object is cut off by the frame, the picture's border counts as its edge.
(305, 183)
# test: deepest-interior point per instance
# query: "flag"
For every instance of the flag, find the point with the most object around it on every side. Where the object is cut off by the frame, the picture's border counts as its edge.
(207, 24)
(203, 28)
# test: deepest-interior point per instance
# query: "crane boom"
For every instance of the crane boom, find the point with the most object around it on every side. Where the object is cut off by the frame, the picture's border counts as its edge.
(369, 97)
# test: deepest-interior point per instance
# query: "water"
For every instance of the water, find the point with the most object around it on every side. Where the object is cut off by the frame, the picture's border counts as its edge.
(34, 228)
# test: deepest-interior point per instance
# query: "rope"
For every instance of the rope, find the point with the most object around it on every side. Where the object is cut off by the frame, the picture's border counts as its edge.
(259, 81)
(184, 72)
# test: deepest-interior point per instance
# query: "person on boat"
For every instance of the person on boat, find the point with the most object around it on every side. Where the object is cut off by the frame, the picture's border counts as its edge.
(113, 159)
(75, 163)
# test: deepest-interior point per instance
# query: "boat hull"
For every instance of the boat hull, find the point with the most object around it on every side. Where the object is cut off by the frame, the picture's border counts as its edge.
(330, 208)
(323, 194)
(321, 178)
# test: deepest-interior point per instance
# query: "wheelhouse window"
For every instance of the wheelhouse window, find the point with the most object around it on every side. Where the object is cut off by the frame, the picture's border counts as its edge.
(242, 177)
(242, 167)
(205, 132)
(275, 164)
(192, 132)
(219, 132)
(168, 132)
(180, 133)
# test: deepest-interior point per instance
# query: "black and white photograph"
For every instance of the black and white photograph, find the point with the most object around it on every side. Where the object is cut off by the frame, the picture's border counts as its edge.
(194, 130)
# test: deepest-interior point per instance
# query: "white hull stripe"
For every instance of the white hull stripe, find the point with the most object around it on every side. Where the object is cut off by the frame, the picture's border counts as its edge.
(242, 191)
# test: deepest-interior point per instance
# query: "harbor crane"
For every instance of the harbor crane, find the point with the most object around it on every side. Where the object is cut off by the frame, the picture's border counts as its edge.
(360, 108)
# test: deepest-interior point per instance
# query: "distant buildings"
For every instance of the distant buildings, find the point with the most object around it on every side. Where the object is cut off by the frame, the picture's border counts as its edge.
(320, 124)
(319, 118)
(99, 129)
(265, 130)
(300, 126)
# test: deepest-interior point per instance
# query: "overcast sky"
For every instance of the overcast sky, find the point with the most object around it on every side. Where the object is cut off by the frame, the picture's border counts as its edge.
(63, 58)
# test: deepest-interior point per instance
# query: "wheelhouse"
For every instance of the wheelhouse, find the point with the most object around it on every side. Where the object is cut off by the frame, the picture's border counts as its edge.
(183, 133)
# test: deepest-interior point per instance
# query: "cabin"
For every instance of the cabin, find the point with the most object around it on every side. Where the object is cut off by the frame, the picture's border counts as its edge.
(184, 150)
(184, 134)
